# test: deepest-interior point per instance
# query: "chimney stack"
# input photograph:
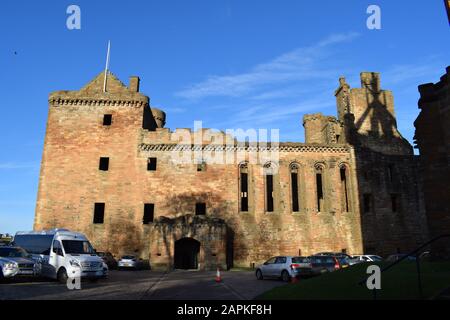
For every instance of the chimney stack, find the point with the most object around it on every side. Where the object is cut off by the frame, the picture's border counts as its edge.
(134, 84)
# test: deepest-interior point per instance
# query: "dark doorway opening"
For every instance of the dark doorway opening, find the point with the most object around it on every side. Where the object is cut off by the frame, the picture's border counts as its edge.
(186, 253)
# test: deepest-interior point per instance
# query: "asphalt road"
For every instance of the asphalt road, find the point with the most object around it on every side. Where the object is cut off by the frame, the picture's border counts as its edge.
(145, 285)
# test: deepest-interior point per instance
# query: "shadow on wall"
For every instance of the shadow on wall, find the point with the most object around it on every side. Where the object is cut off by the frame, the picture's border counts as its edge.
(127, 238)
(388, 183)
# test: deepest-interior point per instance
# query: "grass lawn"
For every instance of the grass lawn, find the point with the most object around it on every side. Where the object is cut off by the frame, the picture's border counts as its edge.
(400, 282)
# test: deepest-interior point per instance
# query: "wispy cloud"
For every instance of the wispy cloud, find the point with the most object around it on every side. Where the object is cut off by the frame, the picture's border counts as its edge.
(299, 64)
(18, 165)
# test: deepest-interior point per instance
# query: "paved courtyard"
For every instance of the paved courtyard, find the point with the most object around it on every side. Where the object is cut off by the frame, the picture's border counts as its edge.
(146, 285)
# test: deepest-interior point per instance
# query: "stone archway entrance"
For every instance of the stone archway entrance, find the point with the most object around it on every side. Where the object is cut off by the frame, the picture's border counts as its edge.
(186, 253)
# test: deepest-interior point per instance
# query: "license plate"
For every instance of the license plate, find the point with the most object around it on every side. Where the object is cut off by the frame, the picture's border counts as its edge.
(26, 272)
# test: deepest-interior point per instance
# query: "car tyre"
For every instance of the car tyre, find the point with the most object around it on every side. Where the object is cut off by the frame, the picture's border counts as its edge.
(285, 276)
(259, 275)
(62, 276)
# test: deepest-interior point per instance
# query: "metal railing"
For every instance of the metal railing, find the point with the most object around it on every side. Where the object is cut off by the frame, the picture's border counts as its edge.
(414, 253)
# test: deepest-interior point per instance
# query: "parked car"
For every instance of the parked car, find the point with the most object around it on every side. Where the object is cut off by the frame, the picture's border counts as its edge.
(334, 254)
(398, 256)
(356, 259)
(8, 268)
(108, 258)
(105, 270)
(129, 262)
(63, 254)
(284, 267)
(316, 265)
(341, 260)
(25, 264)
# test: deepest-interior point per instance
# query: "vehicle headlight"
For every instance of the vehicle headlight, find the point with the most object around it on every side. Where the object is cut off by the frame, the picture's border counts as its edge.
(75, 263)
(11, 265)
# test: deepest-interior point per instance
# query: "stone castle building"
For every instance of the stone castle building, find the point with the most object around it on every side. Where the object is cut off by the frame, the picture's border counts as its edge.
(433, 140)
(111, 170)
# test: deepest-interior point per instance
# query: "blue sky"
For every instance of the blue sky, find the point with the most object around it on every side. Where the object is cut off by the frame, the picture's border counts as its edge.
(231, 64)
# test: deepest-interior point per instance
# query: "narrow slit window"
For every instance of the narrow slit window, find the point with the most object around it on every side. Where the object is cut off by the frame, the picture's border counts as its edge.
(269, 192)
(149, 211)
(104, 164)
(395, 203)
(151, 164)
(344, 189)
(390, 173)
(319, 190)
(99, 213)
(367, 203)
(107, 119)
(294, 189)
(201, 166)
(244, 191)
(200, 209)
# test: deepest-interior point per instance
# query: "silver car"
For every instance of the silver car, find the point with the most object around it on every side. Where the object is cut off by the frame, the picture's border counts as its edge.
(17, 262)
(283, 267)
(128, 262)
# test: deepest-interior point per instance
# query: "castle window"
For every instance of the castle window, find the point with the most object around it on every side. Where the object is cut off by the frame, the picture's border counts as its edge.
(294, 188)
(200, 209)
(395, 203)
(390, 173)
(344, 188)
(243, 168)
(201, 166)
(151, 164)
(268, 173)
(338, 138)
(367, 203)
(107, 119)
(99, 213)
(104, 164)
(319, 189)
(149, 209)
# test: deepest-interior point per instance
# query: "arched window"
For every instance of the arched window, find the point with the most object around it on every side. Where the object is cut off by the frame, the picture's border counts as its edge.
(345, 203)
(243, 187)
(269, 186)
(319, 169)
(294, 169)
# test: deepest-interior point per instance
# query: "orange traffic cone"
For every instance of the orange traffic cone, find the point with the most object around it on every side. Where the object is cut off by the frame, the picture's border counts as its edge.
(218, 277)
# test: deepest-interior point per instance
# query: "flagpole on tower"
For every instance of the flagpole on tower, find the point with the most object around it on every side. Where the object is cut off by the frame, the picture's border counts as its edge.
(107, 66)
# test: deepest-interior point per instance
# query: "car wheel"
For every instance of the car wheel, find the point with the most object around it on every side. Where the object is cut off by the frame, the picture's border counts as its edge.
(62, 276)
(285, 276)
(259, 275)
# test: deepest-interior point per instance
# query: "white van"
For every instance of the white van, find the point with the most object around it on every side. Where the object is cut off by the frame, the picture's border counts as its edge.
(62, 254)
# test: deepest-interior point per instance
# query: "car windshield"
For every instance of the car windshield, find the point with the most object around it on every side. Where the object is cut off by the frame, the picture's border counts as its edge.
(375, 258)
(77, 247)
(13, 253)
(128, 257)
